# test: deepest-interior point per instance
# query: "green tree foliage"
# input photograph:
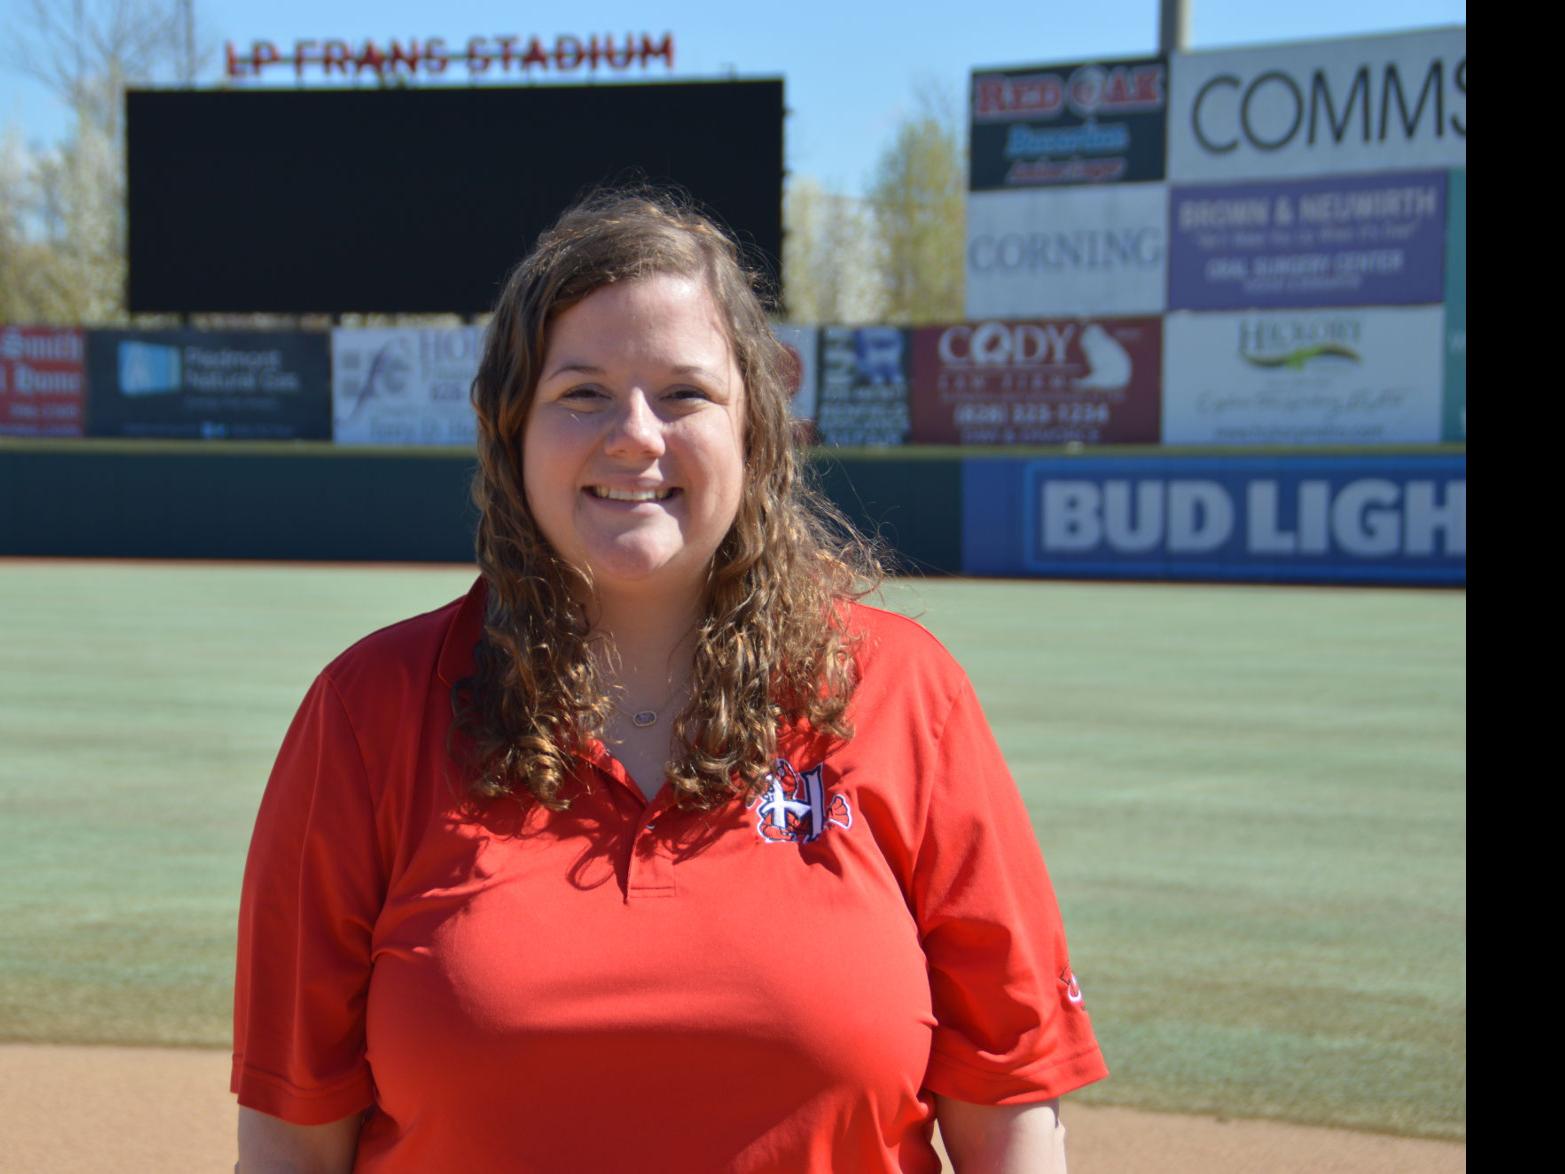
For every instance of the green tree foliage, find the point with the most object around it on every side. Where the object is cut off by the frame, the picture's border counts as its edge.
(917, 199)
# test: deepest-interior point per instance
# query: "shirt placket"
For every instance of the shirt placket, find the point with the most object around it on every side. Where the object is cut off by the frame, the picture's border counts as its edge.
(649, 869)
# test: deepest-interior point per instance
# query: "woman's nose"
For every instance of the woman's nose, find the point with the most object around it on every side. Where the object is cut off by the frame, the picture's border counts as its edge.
(635, 429)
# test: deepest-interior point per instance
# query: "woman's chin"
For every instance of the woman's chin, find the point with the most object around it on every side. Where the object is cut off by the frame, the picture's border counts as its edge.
(638, 569)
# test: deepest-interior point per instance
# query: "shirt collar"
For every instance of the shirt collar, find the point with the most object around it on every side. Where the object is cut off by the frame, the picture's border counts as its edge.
(456, 653)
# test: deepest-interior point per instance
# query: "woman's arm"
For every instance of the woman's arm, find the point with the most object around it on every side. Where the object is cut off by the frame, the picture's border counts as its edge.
(270, 1145)
(1002, 1139)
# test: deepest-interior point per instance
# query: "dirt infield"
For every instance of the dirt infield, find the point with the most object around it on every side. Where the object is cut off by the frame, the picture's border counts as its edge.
(67, 1110)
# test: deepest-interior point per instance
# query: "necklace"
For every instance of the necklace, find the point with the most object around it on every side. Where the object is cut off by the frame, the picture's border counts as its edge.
(644, 719)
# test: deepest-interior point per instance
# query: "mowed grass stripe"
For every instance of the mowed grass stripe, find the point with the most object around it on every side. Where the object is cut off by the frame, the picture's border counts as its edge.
(1251, 800)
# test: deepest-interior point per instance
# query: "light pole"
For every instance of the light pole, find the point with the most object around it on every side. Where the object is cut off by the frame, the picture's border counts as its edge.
(1173, 26)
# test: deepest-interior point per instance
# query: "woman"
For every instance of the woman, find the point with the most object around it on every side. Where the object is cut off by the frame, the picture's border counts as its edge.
(656, 851)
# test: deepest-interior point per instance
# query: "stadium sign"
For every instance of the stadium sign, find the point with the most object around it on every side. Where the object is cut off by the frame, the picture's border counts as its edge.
(1371, 375)
(1311, 108)
(41, 381)
(480, 56)
(1037, 382)
(1047, 126)
(1067, 251)
(209, 384)
(1309, 519)
(404, 386)
(1363, 240)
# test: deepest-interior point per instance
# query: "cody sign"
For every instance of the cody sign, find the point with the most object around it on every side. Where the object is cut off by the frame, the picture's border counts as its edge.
(1037, 382)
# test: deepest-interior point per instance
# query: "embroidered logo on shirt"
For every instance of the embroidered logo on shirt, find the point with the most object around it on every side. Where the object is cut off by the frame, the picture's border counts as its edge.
(1072, 987)
(794, 807)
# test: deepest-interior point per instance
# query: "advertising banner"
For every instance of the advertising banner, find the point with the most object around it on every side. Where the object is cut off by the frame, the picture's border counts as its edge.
(1357, 377)
(1364, 519)
(1369, 104)
(41, 381)
(404, 386)
(1046, 125)
(1067, 252)
(1454, 423)
(863, 386)
(801, 343)
(1037, 382)
(235, 385)
(1345, 241)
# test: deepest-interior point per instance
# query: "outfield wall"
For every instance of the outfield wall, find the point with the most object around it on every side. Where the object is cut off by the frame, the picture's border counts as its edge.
(319, 502)
(1143, 514)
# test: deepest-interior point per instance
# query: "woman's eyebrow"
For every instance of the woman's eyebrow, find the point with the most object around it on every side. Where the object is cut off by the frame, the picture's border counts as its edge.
(577, 367)
(574, 367)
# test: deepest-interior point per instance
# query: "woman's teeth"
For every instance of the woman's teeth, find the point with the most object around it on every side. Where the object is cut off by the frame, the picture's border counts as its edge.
(630, 494)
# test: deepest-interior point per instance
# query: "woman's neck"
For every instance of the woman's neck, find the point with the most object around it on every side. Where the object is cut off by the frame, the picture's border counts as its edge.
(653, 641)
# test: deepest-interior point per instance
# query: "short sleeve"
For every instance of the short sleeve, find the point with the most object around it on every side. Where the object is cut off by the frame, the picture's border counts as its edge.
(1010, 1025)
(313, 886)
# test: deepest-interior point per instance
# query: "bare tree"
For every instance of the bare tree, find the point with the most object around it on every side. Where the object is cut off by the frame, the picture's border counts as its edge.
(918, 197)
(70, 199)
(87, 51)
(829, 264)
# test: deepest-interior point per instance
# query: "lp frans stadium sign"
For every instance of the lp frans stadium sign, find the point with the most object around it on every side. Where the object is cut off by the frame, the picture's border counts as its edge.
(480, 56)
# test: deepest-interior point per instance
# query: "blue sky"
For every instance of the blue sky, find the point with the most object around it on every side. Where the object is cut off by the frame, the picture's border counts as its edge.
(851, 69)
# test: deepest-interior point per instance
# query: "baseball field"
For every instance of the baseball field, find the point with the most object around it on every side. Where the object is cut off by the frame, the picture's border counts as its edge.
(1252, 801)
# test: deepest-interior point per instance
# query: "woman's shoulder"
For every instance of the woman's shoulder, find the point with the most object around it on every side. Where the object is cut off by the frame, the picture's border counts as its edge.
(434, 645)
(896, 649)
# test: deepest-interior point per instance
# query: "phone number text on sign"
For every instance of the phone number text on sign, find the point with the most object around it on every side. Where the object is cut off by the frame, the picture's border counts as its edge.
(992, 415)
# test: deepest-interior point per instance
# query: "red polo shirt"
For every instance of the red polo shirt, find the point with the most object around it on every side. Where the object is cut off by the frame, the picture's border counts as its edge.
(624, 985)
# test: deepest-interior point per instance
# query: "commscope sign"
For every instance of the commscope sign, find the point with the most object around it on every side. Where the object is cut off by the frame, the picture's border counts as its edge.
(1320, 107)
(1307, 519)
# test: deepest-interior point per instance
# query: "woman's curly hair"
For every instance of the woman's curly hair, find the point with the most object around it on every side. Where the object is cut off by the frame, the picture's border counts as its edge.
(772, 645)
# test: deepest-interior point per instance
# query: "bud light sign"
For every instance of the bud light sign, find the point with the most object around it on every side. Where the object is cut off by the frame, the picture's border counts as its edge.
(1291, 519)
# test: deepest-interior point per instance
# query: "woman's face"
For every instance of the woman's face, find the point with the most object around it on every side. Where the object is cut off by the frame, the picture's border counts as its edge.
(633, 458)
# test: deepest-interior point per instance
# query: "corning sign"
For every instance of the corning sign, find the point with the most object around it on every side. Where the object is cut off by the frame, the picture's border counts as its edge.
(1320, 107)
(1067, 251)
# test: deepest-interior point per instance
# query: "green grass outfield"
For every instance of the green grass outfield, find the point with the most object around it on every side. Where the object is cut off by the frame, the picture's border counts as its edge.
(1252, 800)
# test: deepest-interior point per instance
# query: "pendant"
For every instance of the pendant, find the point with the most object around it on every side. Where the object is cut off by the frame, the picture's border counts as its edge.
(644, 718)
